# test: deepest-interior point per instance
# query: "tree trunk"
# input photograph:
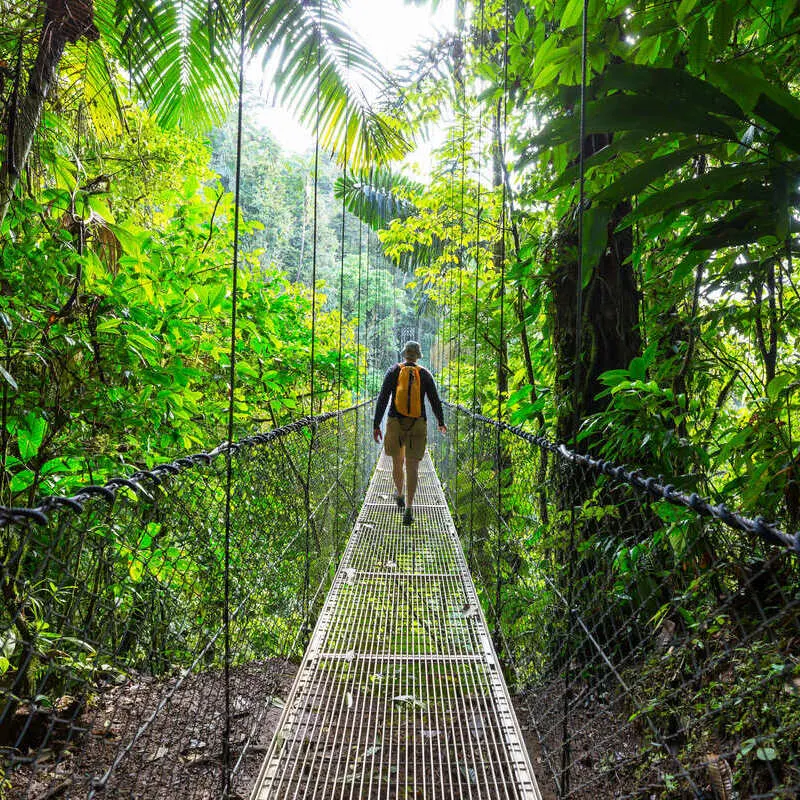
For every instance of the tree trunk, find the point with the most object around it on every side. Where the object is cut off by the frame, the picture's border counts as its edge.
(65, 21)
(610, 312)
(610, 340)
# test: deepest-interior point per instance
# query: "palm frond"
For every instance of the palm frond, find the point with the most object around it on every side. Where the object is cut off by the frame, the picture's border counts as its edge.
(179, 56)
(182, 57)
(378, 196)
(322, 68)
(89, 77)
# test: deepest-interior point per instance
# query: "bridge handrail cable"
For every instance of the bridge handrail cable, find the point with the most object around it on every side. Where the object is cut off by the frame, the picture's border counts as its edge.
(10, 515)
(656, 487)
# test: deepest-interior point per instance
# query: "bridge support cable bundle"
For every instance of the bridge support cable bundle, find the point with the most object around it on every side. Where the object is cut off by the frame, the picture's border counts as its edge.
(400, 693)
(672, 625)
(112, 617)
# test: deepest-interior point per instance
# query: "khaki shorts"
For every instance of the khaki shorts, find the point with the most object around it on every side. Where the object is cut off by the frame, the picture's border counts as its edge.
(406, 432)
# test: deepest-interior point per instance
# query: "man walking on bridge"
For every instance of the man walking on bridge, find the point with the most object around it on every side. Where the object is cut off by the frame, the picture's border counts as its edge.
(405, 387)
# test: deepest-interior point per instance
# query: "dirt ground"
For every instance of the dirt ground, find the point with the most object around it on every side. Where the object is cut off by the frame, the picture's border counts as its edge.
(603, 754)
(538, 760)
(179, 755)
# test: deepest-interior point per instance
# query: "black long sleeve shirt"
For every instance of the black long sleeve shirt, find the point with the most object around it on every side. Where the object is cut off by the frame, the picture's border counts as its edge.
(427, 386)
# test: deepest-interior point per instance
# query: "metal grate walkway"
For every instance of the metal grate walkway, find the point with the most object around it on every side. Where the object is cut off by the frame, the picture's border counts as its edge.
(400, 694)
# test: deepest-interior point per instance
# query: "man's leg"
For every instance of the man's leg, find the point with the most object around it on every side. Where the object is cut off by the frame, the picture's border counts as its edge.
(415, 451)
(393, 447)
(412, 468)
(397, 469)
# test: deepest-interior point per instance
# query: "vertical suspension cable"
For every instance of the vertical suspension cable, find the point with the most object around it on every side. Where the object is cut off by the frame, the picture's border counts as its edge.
(459, 302)
(358, 304)
(367, 367)
(307, 487)
(366, 319)
(226, 617)
(339, 355)
(380, 302)
(475, 304)
(502, 130)
(394, 272)
(581, 204)
(450, 323)
(449, 289)
(447, 334)
(315, 221)
(358, 360)
(566, 749)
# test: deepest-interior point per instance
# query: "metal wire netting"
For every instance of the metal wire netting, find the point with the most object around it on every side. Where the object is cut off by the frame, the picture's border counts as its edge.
(112, 619)
(655, 648)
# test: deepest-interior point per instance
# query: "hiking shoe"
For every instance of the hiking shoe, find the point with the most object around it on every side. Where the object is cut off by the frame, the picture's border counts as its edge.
(408, 516)
(401, 501)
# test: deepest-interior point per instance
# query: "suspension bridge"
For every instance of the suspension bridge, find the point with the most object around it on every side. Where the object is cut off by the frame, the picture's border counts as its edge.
(650, 670)
(400, 691)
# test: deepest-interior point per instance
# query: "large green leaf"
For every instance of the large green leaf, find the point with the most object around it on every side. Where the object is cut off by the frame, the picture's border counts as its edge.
(707, 187)
(722, 25)
(782, 116)
(624, 143)
(756, 95)
(647, 114)
(573, 13)
(675, 84)
(684, 9)
(30, 435)
(743, 225)
(640, 177)
(595, 238)
(698, 44)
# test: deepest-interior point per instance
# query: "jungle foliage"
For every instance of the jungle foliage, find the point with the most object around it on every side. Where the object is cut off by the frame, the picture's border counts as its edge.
(688, 358)
(116, 265)
(116, 309)
(690, 319)
(682, 358)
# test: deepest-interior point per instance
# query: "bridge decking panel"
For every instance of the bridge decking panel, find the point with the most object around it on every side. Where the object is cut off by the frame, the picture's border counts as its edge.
(400, 693)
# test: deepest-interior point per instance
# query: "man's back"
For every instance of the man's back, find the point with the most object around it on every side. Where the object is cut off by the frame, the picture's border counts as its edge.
(406, 434)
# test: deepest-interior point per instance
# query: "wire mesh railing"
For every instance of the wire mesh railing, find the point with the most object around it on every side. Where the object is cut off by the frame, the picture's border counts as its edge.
(114, 681)
(653, 638)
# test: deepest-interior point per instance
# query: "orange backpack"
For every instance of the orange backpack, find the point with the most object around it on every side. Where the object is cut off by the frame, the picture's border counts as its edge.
(408, 395)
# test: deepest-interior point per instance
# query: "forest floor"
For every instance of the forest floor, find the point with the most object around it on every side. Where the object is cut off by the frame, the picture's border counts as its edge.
(603, 752)
(180, 754)
(541, 770)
